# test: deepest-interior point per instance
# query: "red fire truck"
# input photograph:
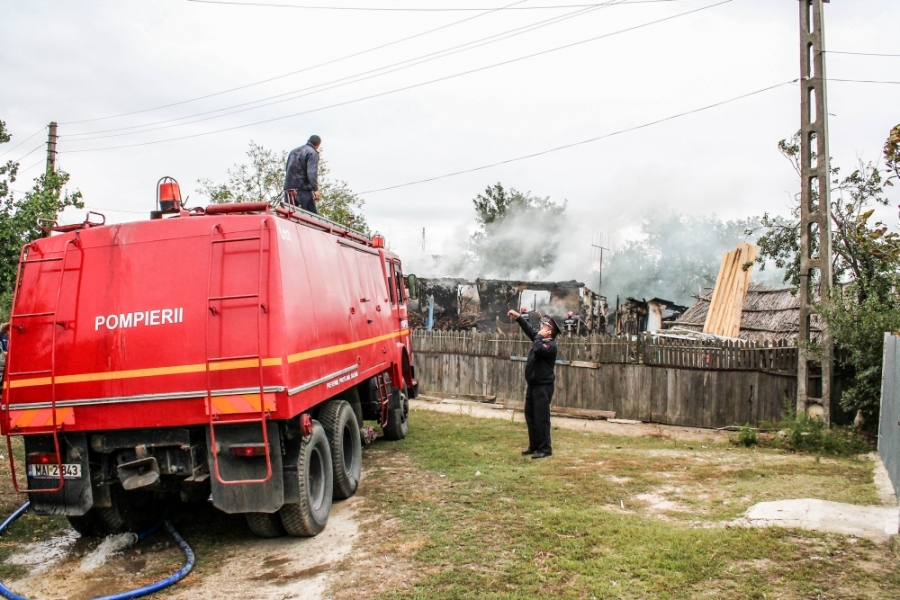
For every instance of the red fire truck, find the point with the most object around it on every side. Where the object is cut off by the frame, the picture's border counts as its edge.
(229, 353)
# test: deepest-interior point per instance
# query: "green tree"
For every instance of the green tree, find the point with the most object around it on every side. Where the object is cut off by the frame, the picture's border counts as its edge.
(518, 234)
(675, 257)
(861, 250)
(262, 180)
(18, 217)
(866, 256)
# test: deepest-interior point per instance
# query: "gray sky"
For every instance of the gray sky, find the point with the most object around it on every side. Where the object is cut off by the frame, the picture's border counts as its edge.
(75, 60)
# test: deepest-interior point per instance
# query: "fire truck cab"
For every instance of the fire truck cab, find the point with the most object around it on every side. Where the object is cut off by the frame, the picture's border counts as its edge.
(230, 353)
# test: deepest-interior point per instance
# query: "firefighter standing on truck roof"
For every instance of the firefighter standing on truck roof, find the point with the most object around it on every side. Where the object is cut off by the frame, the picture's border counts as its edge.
(540, 379)
(301, 175)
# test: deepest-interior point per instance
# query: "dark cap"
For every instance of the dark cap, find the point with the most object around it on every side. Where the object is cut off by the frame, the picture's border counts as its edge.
(548, 320)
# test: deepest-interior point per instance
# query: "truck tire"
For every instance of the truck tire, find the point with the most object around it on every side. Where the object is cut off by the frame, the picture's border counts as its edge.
(398, 418)
(264, 525)
(130, 511)
(309, 516)
(342, 429)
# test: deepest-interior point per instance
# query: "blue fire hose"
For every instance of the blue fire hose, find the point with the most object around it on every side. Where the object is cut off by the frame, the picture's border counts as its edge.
(137, 593)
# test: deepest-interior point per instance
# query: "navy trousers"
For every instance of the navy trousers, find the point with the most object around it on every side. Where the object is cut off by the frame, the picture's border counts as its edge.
(537, 417)
(301, 198)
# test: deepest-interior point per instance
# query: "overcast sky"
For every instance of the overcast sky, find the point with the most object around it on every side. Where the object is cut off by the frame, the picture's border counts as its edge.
(70, 61)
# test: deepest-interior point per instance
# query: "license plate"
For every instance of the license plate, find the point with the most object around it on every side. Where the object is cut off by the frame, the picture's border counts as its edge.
(70, 471)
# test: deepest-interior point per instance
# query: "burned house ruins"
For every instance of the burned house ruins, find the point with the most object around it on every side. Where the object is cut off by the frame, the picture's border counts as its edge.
(483, 304)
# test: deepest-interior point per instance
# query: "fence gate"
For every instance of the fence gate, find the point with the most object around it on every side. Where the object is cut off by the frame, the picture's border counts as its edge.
(889, 423)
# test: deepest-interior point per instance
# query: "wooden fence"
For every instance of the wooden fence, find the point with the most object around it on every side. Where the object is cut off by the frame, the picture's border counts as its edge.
(662, 380)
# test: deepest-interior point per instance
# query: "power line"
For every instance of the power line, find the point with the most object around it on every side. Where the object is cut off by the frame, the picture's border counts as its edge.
(23, 141)
(356, 78)
(409, 87)
(402, 9)
(588, 141)
(32, 166)
(330, 62)
(864, 81)
(32, 151)
(860, 53)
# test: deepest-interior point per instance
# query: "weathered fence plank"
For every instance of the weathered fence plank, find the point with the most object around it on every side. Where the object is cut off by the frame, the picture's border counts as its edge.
(678, 382)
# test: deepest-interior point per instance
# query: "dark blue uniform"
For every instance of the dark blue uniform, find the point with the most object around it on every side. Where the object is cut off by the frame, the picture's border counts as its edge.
(540, 381)
(301, 177)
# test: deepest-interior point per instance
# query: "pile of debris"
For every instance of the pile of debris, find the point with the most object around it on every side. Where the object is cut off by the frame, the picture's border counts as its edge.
(484, 304)
(767, 314)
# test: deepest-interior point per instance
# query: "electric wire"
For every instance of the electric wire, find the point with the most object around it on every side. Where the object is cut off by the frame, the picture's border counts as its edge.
(588, 141)
(336, 83)
(402, 9)
(303, 70)
(30, 152)
(863, 81)
(23, 171)
(23, 141)
(408, 87)
(860, 53)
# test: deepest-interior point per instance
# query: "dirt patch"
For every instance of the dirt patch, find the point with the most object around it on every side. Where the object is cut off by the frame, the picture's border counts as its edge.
(282, 568)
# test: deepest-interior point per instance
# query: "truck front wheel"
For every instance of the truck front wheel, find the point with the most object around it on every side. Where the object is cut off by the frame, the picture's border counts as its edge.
(398, 418)
(309, 516)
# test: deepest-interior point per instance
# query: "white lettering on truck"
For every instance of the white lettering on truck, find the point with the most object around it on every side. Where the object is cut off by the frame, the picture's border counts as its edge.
(148, 317)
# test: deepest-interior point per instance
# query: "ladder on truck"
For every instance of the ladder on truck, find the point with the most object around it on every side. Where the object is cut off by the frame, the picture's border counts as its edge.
(383, 385)
(54, 427)
(263, 415)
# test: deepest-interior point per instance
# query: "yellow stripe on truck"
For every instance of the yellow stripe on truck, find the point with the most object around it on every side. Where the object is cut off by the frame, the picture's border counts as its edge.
(292, 358)
(201, 368)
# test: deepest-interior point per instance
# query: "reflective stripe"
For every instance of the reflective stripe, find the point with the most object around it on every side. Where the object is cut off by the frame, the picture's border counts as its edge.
(146, 398)
(241, 403)
(40, 417)
(321, 380)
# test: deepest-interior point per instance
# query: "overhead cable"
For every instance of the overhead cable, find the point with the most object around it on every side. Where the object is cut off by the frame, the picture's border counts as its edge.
(303, 70)
(23, 141)
(23, 171)
(409, 87)
(32, 151)
(336, 83)
(860, 53)
(864, 81)
(588, 141)
(404, 9)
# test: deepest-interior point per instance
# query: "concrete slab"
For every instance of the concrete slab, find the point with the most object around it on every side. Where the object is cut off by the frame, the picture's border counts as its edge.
(883, 481)
(876, 523)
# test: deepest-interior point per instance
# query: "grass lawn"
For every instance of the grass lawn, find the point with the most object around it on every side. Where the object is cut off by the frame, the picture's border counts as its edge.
(607, 517)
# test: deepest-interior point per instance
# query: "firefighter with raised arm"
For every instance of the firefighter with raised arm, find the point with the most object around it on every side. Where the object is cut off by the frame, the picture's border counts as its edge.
(540, 380)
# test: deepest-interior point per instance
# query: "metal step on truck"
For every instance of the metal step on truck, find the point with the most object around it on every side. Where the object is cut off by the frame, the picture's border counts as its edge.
(230, 353)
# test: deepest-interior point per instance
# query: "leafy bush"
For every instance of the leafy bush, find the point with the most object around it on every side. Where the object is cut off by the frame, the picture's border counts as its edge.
(747, 436)
(803, 433)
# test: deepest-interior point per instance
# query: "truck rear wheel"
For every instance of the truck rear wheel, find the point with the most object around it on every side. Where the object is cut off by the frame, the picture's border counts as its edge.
(130, 511)
(342, 429)
(309, 516)
(264, 525)
(398, 418)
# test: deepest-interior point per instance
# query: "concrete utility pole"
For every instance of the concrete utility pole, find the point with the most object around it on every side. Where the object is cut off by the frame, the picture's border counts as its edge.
(51, 148)
(815, 205)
